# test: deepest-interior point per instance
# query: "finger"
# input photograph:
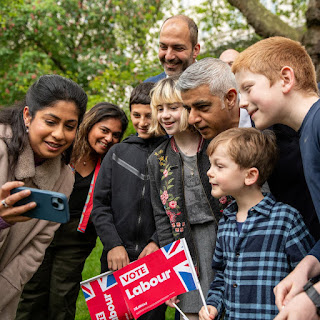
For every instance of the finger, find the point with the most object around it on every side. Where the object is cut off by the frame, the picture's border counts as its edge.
(281, 316)
(280, 293)
(15, 197)
(8, 186)
(141, 255)
(125, 261)
(6, 213)
(169, 303)
(110, 264)
(13, 220)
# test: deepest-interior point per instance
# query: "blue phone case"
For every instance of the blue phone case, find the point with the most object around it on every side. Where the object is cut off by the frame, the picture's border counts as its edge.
(52, 206)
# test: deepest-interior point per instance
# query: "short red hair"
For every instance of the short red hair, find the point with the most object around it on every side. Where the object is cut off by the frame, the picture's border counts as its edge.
(269, 56)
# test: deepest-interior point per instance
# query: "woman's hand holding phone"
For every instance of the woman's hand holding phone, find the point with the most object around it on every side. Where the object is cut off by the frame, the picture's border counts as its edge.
(8, 212)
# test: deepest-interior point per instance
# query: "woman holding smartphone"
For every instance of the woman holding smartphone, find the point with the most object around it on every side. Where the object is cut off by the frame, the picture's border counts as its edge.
(53, 290)
(36, 139)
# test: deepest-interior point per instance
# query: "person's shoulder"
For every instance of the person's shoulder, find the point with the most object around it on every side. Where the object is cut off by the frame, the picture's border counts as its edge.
(161, 147)
(285, 211)
(156, 78)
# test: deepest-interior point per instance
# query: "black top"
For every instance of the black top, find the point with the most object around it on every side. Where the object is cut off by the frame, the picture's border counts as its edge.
(79, 194)
(287, 182)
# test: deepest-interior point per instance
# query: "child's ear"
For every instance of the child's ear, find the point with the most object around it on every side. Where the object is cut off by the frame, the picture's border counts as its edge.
(287, 78)
(251, 176)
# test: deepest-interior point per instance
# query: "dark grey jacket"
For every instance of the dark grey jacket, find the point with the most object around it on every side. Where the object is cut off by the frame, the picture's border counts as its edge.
(166, 177)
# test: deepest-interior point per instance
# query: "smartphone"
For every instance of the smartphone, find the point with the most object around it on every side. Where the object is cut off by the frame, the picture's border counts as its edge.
(52, 206)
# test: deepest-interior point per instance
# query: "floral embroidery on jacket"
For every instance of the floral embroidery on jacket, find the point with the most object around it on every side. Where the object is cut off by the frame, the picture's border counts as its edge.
(169, 201)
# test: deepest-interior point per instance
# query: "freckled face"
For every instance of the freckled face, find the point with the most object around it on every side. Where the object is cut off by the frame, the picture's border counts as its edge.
(104, 134)
(262, 102)
(53, 129)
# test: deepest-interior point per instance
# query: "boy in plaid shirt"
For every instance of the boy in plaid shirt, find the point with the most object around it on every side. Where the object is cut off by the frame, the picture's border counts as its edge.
(259, 240)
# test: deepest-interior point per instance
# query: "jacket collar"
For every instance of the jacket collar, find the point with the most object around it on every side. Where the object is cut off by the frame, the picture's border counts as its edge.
(175, 147)
(43, 176)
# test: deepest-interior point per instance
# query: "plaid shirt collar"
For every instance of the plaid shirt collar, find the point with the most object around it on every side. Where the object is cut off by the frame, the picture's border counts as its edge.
(263, 207)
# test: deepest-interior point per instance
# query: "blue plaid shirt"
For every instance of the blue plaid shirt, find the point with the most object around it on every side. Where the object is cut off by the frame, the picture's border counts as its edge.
(249, 265)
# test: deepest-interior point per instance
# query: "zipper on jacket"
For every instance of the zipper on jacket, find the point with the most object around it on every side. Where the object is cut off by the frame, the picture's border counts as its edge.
(140, 217)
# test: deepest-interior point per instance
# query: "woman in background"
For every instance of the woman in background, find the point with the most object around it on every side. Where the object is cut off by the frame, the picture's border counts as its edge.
(36, 139)
(180, 191)
(52, 292)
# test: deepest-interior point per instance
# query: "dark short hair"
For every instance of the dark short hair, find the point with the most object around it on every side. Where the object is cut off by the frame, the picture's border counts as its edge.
(193, 28)
(141, 94)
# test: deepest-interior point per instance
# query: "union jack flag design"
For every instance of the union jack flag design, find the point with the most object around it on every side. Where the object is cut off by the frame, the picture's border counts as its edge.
(157, 277)
(183, 271)
(104, 298)
(107, 282)
(88, 291)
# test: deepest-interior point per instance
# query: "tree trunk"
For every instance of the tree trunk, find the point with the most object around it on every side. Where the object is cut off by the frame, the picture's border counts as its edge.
(311, 38)
(265, 23)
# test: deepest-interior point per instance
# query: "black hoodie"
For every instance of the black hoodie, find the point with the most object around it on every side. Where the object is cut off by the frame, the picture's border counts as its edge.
(122, 211)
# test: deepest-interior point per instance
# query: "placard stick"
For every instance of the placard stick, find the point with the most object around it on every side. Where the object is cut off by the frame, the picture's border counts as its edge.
(183, 315)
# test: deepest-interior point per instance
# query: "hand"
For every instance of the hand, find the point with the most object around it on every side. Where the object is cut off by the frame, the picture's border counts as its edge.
(151, 247)
(203, 315)
(300, 307)
(294, 282)
(12, 214)
(117, 258)
(171, 301)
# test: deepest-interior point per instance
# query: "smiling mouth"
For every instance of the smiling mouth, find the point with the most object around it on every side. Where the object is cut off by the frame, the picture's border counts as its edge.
(201, 129)
(53, 145)
(252, 113)
(105, 145)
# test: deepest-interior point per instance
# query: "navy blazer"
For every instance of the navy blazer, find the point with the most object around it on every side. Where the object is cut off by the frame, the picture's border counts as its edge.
(156, 78)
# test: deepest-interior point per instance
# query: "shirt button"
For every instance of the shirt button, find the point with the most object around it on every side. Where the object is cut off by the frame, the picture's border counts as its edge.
(237, 254)
(235, 285)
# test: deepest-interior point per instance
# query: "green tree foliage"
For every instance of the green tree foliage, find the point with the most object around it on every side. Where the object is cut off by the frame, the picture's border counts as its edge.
(101, 44)
(237, 24)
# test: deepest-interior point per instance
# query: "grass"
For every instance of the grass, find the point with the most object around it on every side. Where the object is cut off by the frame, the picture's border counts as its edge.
(91, 269)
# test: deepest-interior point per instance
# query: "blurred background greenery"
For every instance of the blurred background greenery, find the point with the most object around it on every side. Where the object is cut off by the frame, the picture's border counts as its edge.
(109, 46)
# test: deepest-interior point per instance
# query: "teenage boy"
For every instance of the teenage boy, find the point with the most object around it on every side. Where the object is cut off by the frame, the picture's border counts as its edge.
(259, 240)
(277, 82)
(122, 211)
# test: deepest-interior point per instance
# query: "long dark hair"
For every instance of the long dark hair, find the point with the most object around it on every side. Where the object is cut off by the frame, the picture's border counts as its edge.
(98, 113)
(45, 92)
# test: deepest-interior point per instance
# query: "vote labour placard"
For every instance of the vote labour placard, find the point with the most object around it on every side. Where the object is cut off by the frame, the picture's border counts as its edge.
(161, 275)
(104, 298)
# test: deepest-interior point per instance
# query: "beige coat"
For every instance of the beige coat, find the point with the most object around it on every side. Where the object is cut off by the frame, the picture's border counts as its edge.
(22, 246)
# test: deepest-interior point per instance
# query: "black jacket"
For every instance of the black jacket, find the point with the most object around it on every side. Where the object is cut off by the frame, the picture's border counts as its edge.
(122, 211)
